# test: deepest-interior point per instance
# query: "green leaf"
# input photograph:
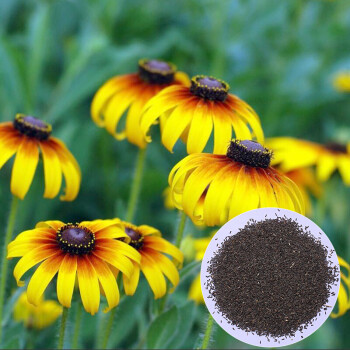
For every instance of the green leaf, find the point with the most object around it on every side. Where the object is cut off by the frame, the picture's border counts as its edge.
(188, 269)
(186, 315)
(163, 329)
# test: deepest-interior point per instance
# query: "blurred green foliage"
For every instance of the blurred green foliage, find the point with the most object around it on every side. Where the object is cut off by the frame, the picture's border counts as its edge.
(278, 55)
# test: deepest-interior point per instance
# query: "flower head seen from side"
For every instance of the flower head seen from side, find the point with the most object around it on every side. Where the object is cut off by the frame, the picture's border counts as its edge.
(341, 81)
(89, 251)
(195, 292)
(37, 317)
(212, 189)
(194, 112)
(27, 137)
(291, 154)
(344, 290)
(130, 93)
(154, 263)
(306, 180)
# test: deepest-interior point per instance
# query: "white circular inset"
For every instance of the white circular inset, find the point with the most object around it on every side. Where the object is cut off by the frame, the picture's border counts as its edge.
(233, 227)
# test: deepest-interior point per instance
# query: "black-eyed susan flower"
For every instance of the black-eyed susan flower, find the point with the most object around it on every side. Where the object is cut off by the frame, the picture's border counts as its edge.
(195, 292)
(130, 93)
(27, 137)
(86, 250)
(37, 317)
(154, 263)
(306, 180)
(291, 153)
(344, 290)
(341, 81)
(193, 112)
(211, 188)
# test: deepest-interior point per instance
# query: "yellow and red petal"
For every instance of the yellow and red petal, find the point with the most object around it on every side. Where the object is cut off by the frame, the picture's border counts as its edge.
(66, 279)
(119, 261)
(32, 258)
(42, 277)
(162, 245)
(165, 264)
(104, 94)
(200, 129)
(154, 276)
(120, 247)
(107, 281)
(26, 161)
(88, 285)
(70, 168)
(52, 170)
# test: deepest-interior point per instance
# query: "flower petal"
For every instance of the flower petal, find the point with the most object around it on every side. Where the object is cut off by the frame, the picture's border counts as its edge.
(52, 170)
(88, 285)
(66, 279)
(162, 245)
(107, 280)
(130, 284)
(24, 167)
(32, 258)
(42, 277)
(154, 276)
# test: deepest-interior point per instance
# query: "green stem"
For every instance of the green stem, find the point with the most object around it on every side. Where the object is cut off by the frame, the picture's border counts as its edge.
(109, 328)
(62, 328)
(178, 240)
(208, 331)
(136, 184)
(78, 315)
(4, 262)
(180, 229)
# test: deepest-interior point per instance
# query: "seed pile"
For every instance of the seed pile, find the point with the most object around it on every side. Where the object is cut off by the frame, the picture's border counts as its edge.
(271, 278)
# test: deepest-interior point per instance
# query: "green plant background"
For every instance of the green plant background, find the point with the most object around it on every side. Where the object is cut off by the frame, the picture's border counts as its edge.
(278, 55)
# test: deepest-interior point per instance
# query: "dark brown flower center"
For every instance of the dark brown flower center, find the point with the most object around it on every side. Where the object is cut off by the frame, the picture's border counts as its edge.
(209, 88)
(75, 239)
(249, 153)
(32, 127)
(336, 147)
(136, 238)
(156, 71)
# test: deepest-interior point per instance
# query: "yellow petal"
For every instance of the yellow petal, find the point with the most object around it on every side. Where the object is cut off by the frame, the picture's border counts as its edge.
(195, 292)
(154, 276)
(108, 282)
(32, 258)
(200, 129)
(66, 279)
(344, 168)
(162, 245)
(70, 169)
(52, 170)
(130, 284)
(9, 145)
(24, 167)
(326, 166)
(42, 277)
(88, 285)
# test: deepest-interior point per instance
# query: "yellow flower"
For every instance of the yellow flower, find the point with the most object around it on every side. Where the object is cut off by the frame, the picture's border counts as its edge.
(307, 183)
(24, 137)
(341, 81)
(38, 317)
(195, 292)
(291, 154)
(86, 250)
(192, 112)
(154, 264)
(212, 189)
(130, 93)
(344, 291)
